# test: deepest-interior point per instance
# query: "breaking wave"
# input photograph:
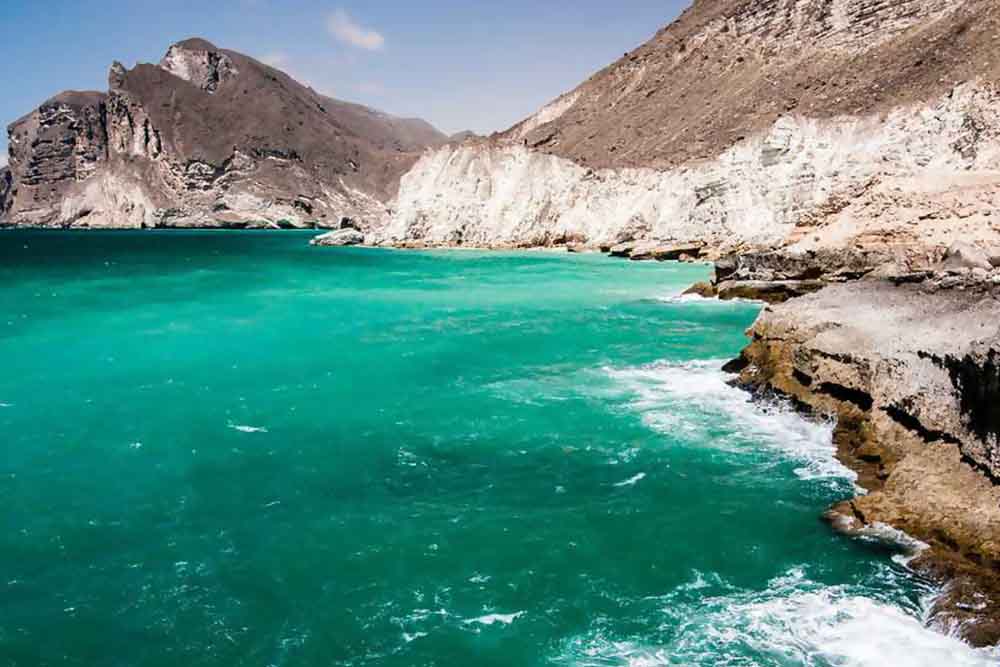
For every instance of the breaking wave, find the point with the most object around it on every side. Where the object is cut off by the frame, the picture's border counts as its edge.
(794, 622)
(692, 400)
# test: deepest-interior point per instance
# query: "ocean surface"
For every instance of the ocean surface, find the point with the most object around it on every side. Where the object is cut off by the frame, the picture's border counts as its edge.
(228, 449)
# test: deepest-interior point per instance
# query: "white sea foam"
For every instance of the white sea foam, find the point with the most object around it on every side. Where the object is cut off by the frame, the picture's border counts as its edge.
(794, 622)
(247, 429)
(6, 405)
(493, 619)
(699, 299)
(691, 400)
(885, 534)
(632, 481)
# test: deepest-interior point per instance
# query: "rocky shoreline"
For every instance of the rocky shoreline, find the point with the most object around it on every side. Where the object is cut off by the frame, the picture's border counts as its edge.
(908, 364)
(901, 347)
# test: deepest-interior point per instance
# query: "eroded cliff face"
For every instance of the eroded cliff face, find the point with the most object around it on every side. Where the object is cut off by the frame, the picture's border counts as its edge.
(53, 151)
(798, 181)
(207, 138)
(744, 123)
(727, 69)
(910, 375)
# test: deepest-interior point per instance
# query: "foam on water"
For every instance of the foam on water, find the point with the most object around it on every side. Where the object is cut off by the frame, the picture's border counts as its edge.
(632, 481)
(242, 428)
(687, 400)
(493, 619)
(884, 534)
(698, 299)
(794, 622)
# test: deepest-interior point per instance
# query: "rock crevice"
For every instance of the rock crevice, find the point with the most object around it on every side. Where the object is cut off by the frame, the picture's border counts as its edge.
(910, 375)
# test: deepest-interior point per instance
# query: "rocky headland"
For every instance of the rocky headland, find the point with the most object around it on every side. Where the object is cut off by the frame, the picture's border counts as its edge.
(205, 138)
(911, 373)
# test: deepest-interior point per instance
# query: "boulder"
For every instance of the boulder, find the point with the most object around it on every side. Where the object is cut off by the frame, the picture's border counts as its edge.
(705, 289)
(993, 253)
(664, 253)
(725, 267)
(769, 291)
(341, 237)
(622, 250)
(962, 255)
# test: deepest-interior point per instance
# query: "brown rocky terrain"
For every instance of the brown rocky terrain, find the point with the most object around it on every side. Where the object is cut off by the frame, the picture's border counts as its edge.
(727, 69)
(746, 126)
(208, 137)
(911, 374)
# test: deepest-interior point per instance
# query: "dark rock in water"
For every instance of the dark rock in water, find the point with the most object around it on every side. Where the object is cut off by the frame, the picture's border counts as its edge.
(736, 366)
(704, 289)
(912, 379)
(207, 138)
(621, 250)
(769, 291)
(664, 253)
(341, 237)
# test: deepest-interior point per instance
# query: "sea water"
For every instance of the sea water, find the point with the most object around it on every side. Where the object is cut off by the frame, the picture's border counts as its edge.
(234, 449)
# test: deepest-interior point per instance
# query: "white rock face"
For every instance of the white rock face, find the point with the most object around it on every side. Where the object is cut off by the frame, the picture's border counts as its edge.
(755, 193)
(203, 66)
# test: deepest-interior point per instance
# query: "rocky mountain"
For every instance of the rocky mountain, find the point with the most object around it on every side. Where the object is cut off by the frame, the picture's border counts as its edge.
(208, 137)
(745, 123)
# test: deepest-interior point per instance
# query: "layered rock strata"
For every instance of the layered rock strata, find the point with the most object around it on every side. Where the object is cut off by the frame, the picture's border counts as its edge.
(745, 125)
(206, 138)
(912, 375)
(818, 183)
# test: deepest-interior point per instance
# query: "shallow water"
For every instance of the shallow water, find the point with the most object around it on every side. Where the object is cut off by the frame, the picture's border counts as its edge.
(231, 448)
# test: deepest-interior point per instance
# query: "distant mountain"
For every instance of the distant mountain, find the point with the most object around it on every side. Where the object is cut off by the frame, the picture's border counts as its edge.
(208, 137)
(465, 135)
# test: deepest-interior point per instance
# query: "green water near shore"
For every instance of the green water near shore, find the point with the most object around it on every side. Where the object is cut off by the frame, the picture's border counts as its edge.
(234, 449)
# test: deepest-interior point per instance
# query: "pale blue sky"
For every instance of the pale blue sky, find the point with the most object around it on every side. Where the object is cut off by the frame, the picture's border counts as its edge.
(460, 64)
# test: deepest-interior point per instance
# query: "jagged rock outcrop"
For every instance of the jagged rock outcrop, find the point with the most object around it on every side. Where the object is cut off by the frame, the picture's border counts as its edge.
(208, 137)
(6, 187)
(746, 124)
(911, 374)
(339, 238)
(52, 152)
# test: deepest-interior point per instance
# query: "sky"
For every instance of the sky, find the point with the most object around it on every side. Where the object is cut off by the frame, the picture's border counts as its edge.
(460, 64)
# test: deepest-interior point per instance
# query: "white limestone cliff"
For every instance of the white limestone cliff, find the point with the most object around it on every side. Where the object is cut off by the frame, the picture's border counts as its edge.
(755, 193)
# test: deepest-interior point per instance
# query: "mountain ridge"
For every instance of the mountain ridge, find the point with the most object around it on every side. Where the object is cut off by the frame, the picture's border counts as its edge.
(207, 137)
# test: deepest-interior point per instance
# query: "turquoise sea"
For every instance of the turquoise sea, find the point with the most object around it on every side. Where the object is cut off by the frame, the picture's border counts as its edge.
(225, 448)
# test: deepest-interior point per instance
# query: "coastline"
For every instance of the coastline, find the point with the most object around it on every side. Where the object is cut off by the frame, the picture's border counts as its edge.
(855, 386)
(901, 424)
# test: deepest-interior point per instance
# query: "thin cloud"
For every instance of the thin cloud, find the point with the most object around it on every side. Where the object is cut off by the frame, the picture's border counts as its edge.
(277, 59)
(371, 88)
(3, 160)
(348, 31)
